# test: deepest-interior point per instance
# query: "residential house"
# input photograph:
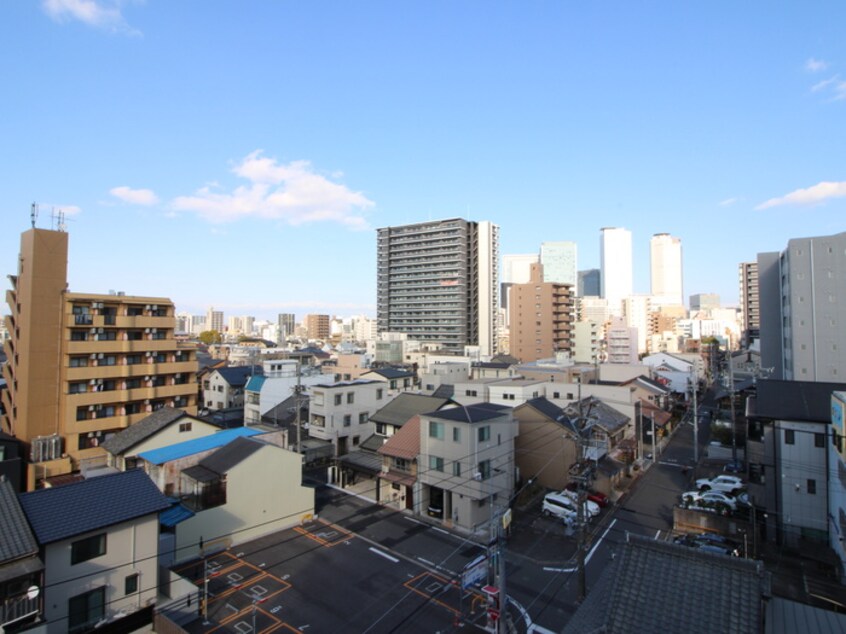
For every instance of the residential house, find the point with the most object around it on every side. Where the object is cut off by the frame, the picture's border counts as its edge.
(224, 387)
(398, 482)
(443, 373)
(280, 379)
(21, 569)
(788, 445)
(466, 463)
(493, 370)
(676, 372)
(162, 428)
(398, 379)
(340, 412)
(511, 392)
(98, 540)
(651, 391)
(240, 491)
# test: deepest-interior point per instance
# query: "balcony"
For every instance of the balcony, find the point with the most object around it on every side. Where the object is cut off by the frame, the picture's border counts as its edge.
(15, 609)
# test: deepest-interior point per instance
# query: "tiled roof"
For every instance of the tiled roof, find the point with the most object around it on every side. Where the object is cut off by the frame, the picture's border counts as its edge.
(655, 413)
(190, 447)
(16, 539)
(545, 407)
(372, 442)
(444, 391)
(62, 512)
(654, 586)
(391, 373)
(598, 413)
(236, 376)
(405, 443)
(405, 405)
(471, 413)
(143, 429)
(650, 384)
(231, 454)
(365, 461)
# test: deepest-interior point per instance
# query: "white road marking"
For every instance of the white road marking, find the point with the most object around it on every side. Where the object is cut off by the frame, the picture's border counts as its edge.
(440, 530)
(657, 534)
(411, 519)
(426, 561)
(385, 555)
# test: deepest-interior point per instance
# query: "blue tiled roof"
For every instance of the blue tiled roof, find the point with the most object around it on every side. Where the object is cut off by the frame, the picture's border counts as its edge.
(61, 512)
(254, 384)
(190, 447)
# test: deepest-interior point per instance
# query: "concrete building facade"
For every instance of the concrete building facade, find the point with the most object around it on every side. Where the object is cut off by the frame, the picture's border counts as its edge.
(665, 258)
(616, 276)
(559, 260)
(540, 317)
(439, 282)
(750, 313)
(84, 366)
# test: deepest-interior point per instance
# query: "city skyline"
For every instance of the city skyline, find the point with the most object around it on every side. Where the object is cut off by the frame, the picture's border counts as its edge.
(252, 176)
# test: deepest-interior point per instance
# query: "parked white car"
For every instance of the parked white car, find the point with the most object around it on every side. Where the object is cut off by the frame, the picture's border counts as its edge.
(726, 483)
(591, 508)
(709, 498)
(561, 506)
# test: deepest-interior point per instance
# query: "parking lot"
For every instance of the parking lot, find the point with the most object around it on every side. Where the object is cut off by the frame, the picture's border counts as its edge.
(321, 578)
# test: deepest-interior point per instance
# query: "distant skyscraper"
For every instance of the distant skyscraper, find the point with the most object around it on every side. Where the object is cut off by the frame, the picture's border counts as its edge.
(750, 315)
(286, 323)
(615, 254)
(589, 283)
(214, 319)
(665, 257)
(559, 262)
(516, 269)
(704, 301)
(803, 309)
(439, 282)
(317, 326)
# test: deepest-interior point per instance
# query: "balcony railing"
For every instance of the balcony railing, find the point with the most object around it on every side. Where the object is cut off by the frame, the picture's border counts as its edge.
(17, 609)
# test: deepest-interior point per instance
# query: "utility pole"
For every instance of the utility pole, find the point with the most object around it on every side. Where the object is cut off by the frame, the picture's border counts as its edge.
(731, 409)
(695, 422)
(297, 389)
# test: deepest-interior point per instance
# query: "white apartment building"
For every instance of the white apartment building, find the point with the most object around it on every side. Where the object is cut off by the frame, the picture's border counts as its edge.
(665, 259)
(340, 412)
(636, 309)
(615, 254)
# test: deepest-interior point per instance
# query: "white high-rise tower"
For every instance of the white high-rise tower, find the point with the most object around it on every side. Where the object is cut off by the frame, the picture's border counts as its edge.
(615, 254)
(665, 258)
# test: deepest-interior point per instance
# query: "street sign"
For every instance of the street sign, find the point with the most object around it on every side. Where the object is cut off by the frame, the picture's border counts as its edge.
(475, 572)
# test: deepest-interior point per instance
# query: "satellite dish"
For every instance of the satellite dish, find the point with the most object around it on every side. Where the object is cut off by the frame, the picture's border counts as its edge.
(32, 592)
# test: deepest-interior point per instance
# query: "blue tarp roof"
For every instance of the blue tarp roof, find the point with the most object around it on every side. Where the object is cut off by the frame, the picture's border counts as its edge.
(254, 384)
(190, 447)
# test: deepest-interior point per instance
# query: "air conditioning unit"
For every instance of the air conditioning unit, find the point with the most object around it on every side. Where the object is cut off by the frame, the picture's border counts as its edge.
(101, 356)
(147, 307)
(146, 401)
(93, 355)
(147, 331)
(154, 330)
(149, 354)
(92, 382)
(101, 330)
(155, 307)
(90, 408)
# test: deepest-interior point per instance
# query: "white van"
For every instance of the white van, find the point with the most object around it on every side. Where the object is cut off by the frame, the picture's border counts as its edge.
(559, 505)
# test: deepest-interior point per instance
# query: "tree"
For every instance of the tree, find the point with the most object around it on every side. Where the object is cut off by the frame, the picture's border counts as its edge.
(209, 337)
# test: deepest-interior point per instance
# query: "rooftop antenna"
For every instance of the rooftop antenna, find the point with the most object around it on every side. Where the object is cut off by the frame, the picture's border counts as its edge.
(33, 214)
(57, 219)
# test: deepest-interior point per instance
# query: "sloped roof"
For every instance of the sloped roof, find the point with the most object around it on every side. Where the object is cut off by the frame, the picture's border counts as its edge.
(237, 375)
(365, 461)
(196, 445)
(471, 413)
(403, 406)
(231, 454)
(62, 512)
(795, 400)
(372, 443)
(255, 383)
(17, 539)
(405, 443)
(445, 391)
(654, 586)
(143, 429)
(654, 413)
(649, 384)
(391, 373)
(598, 413)
(545, 407)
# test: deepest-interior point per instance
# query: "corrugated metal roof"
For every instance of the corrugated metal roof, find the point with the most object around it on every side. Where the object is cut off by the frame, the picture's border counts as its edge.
(190, 447)
(787, 617)
(175, 514)
(405, 443)
(255, 383)
(61, 512)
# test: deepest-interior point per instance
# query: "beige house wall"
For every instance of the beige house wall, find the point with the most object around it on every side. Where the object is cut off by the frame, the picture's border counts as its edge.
(543, 450)
(264, 494)
(131, 548)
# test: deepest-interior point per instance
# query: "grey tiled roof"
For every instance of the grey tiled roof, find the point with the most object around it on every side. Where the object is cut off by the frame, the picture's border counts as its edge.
(231, 454)
(391, 373)
(62, 512)
(237, 376)
(661, 587)
(16, 538)
(404, 406)
(545, 407)
(471, 413)
(143, 429)
(598, 414)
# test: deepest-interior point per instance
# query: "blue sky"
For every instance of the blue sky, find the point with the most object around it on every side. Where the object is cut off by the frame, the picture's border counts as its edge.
(245, 153)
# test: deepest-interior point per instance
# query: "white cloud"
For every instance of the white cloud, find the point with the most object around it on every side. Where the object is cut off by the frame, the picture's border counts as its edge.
(815, 65)
(99, 14)
(293, 193)
(811, 196)
(144, 197)
(728, 202)
(833, 86)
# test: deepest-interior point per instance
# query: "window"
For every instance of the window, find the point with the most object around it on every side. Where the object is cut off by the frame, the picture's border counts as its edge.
(556, 395)
(402, 464)
(362, 418)
(350, 398)
(436, 463)
(347, 420)
(484, 469)
(85, 609)
(483, 433)
(456, 469)
(812, 486)
(79, 362)
(436, 430)
(379, 392)
(88, 548)
(471, 393)
(130, 584)
(183, 427)
(456, 434)
(789, 437)
(338, 398)
(819, 440)
(381, 429)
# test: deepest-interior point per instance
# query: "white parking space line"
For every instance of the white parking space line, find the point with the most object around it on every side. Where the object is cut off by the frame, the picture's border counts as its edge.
(385, 555)
(657, 534)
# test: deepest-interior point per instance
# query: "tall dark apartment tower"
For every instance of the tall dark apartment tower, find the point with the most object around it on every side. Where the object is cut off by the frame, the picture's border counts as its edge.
(438, 282)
